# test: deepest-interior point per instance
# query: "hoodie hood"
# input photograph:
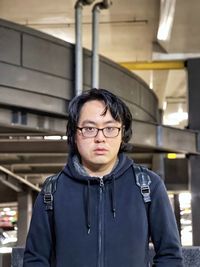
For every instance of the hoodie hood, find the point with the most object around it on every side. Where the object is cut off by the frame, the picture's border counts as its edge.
(76, 171)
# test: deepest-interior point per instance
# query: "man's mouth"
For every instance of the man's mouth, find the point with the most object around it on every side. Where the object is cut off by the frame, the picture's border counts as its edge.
(100, 151)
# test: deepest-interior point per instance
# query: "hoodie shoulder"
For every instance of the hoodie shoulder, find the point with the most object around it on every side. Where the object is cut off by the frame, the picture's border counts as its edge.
(124, 163)
(156, 180)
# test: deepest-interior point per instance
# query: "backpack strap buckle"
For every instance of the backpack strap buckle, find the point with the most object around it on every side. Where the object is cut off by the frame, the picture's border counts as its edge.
(48, 200)
(49, 189)
(143, 180)
(145, 191)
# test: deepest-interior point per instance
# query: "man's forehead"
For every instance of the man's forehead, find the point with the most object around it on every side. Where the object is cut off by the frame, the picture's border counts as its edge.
(95, 106)
(97, 110)
(94, 101)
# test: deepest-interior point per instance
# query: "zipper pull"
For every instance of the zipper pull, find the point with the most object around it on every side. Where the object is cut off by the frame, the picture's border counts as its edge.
(101, 181)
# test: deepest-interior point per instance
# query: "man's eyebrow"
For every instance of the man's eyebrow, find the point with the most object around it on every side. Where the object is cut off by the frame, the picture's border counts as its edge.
(88, 122)
(94, 123)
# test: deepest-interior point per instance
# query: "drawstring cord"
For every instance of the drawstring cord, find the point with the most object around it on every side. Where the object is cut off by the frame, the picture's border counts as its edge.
(113, 198)
(113, 202)
(88, 208)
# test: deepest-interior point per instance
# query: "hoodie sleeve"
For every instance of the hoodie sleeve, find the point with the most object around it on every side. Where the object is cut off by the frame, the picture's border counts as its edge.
(163, 229)
(39, 242)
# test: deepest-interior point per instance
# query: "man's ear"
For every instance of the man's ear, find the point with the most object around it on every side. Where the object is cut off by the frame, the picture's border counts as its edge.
(122, 145)
(123, 132)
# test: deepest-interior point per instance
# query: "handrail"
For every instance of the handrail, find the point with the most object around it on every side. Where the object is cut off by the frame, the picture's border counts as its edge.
(19, 178)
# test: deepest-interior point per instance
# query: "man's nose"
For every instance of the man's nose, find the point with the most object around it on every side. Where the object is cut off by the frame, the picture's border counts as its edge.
(100, 136)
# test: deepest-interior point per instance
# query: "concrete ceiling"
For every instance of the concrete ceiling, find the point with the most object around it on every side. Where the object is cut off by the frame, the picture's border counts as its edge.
(128, 33)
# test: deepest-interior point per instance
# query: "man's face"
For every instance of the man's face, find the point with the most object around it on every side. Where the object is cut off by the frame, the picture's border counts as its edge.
(98, 154)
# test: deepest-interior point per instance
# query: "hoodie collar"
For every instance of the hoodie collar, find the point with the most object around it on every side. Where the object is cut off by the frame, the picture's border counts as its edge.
(76, 171)
(81, 170)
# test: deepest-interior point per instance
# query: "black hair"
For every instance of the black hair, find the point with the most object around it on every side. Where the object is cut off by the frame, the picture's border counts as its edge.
(118, 109)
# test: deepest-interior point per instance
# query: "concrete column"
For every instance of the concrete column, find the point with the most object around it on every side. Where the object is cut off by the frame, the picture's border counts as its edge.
(158, 164)
(194, 173)
(193, 67)
(160, 116)
(177, 212)
(25, 205)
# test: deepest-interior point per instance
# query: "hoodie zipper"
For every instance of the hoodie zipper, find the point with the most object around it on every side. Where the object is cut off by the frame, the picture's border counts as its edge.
(101, 222)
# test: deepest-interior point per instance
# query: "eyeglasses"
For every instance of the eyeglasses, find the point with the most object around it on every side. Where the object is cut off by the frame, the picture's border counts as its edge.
(109, 132)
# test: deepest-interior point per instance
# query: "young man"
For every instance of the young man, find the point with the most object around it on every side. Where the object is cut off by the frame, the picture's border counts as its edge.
(99, 215)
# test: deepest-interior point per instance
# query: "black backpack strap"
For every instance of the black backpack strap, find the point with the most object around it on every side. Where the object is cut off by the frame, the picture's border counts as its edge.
(143, 180)
(49, 188)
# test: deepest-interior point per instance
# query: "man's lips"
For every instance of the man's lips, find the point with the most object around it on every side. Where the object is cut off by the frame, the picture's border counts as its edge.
(100, 150)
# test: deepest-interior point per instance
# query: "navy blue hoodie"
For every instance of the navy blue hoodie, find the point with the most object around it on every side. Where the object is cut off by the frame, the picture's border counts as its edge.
(103, 222)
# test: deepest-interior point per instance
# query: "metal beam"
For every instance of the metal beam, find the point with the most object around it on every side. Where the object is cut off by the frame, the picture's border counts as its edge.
(25, 161)
(10, 182)
(146, 137)
(12, 123)
(19, 178)
(33, 147)
(154, 65)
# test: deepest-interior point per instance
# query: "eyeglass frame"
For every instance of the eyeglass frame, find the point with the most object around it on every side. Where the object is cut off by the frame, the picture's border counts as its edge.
(99, 129)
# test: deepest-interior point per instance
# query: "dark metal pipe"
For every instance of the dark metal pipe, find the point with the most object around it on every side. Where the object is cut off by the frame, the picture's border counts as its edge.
(95, 41)
(78, 45)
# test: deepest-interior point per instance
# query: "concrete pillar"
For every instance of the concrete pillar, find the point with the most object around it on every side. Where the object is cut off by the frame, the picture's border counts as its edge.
(177, 212)
(5, 259)
(193, 67)
(25, 205)
(158, 164)
(194, 173)
(160, 116)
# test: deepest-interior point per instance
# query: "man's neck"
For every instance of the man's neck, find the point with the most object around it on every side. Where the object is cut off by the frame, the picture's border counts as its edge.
(97, 173)
(99, 170)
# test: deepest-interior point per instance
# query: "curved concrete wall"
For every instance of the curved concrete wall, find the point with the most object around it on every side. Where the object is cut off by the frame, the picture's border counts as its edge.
(37, 74)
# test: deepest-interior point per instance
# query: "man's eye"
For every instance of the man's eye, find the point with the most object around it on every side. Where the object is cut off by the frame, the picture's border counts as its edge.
(89, 129)
(110, 129)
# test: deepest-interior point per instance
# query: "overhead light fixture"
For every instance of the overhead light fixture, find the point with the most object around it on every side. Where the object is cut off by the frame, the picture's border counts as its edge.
(175, 118)
(171, 156)
(52, 137)
(5, 250)
(164, 105)
(167, 11)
